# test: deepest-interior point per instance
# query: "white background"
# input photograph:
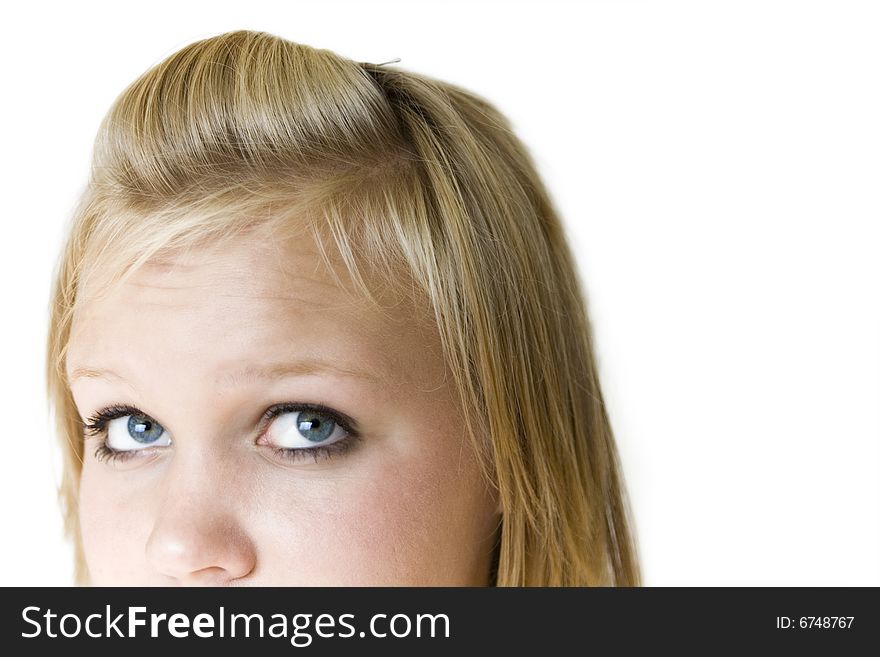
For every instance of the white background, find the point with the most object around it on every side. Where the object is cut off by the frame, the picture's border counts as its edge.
(717, 165)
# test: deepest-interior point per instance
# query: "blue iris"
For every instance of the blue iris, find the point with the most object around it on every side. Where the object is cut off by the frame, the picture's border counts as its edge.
(319, 423)
(144, 430)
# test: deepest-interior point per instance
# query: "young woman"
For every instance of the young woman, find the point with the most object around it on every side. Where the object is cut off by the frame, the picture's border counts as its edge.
(317, 322)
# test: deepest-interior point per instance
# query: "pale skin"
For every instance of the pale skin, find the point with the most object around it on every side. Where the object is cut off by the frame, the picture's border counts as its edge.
(202, 497)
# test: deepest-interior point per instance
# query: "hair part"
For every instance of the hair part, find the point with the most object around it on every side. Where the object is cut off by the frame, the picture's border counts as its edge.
(416, 186)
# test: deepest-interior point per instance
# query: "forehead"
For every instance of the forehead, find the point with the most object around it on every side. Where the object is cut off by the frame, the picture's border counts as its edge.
(216, 308)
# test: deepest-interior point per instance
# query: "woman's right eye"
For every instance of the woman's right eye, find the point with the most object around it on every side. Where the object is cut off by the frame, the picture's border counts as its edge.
(135, 432)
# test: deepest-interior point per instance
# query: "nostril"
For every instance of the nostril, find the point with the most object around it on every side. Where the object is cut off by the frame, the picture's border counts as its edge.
(210, 576)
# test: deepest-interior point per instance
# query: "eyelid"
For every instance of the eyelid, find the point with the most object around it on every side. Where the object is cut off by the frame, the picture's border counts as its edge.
(343, 420)
(97, 422)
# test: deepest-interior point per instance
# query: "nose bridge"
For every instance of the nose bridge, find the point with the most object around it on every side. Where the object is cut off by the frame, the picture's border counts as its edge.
(203, 470)
(204, 459)
(199, 534)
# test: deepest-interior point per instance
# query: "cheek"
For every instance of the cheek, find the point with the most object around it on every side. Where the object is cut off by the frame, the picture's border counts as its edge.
(419, 519)
(114, 527)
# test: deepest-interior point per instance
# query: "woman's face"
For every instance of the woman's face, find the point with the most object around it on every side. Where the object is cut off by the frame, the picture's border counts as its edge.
(195, 484)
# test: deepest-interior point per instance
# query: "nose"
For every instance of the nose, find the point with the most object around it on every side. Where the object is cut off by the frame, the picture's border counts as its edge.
(200, 552)
(197, 537)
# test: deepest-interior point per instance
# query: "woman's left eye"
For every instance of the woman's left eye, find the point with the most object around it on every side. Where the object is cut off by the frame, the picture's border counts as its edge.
(304, 429)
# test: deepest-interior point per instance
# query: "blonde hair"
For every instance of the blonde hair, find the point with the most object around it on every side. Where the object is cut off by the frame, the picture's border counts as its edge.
(425, 184)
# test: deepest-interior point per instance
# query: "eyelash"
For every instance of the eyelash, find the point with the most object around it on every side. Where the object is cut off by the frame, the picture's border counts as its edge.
(96, 426)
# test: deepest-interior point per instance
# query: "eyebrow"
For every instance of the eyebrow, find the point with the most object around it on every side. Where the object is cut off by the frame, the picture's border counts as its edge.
(268, 371)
